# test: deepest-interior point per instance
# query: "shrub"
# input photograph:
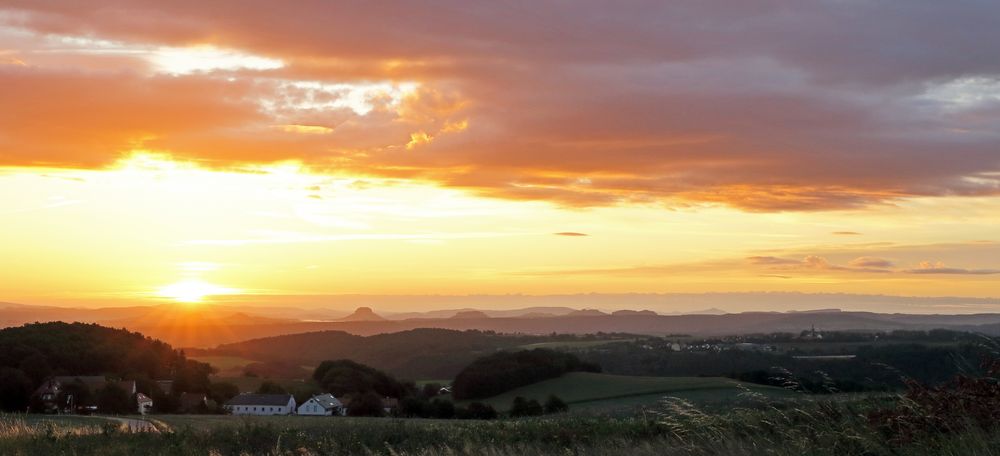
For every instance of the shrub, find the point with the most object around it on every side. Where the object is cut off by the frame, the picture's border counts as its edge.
(525, 407)
(555, 405)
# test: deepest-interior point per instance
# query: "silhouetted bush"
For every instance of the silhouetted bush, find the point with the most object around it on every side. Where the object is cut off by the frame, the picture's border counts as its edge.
(365, 404)
(525, 407)
(555, 405)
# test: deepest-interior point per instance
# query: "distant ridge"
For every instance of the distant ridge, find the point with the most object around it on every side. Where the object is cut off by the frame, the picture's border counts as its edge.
(470, 315)
(629, 313)
(587, 313)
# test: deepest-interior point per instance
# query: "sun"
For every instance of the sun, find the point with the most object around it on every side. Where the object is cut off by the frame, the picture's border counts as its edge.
(192, 291)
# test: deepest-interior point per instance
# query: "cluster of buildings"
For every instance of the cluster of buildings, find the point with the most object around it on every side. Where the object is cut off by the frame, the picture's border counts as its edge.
(56, 396)
(284, 404)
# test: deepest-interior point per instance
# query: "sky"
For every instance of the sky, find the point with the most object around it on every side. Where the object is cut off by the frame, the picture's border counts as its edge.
(176, 151)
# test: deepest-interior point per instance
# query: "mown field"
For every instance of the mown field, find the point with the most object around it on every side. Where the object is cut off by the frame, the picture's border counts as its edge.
(592, 392)
(224, 364)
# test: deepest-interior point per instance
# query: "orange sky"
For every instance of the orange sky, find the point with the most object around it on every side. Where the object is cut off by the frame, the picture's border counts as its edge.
(179, 150)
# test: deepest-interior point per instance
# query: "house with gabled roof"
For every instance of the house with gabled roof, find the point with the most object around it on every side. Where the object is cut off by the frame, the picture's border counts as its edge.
(321, 405)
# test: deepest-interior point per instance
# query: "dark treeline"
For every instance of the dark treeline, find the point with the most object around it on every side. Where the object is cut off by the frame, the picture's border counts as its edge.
(417, 353)
(32, 353)
(875, 366)
(504, 371)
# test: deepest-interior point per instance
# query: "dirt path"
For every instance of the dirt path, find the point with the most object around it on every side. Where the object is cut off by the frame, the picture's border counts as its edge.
(133, 424)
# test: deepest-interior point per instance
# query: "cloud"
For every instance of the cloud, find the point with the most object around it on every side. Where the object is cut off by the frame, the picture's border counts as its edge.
(928, 267)
(570, 234)
(813, 263)
(775, 107)
(871, 262)
(770, 260)
(846, 233)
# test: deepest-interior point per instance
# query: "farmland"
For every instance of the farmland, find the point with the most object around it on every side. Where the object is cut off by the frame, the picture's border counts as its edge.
(224, 364)
(615, 393)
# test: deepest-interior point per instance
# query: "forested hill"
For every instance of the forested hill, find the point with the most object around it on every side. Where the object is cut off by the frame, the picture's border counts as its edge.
(57, 348)
(413, 354)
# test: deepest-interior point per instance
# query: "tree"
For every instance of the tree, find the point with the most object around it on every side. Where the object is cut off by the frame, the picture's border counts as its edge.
(443, 409)
(414, 407)
(525, 407)
(111, 398)
(221, 392)
(36, 367)
(15, 390)
(269, 387)
(555, 405)
(343, 377)
(365, 404)
(477, 411)
(430, 390)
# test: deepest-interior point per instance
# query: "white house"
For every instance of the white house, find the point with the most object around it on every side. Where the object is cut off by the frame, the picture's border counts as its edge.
(261, 404)
(322, 405)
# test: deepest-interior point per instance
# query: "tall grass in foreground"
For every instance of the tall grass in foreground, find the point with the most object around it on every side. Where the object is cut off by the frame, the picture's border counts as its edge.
(678, 428)
(961, 418)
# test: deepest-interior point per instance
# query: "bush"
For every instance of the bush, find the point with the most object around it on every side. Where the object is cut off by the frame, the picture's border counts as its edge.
(443, 409)
(525, 407)
(477, 411)
(964, 402)
(365, 404)
(555, 405)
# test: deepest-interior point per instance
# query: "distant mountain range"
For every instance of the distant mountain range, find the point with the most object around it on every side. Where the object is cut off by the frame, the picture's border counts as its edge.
(211, 325)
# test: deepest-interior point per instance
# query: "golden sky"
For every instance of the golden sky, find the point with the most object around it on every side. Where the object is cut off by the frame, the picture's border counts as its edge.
(180, 150)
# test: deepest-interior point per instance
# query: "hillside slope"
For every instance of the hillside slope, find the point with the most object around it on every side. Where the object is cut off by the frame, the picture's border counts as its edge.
(608, 392)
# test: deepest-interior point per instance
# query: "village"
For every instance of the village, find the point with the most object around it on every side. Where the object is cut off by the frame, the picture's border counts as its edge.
(68, 395)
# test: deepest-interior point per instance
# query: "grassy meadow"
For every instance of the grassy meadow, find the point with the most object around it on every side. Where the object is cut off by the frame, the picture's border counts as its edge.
(224, 364)
(673, 427)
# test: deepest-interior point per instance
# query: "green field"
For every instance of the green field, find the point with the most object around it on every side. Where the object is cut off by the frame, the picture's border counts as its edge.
(605, 392)
(224, 364)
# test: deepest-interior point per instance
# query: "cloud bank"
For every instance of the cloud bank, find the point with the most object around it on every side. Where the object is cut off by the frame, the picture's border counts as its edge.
(775, 106)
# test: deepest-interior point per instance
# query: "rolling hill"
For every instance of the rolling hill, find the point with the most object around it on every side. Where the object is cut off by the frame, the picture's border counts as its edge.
(606, 392)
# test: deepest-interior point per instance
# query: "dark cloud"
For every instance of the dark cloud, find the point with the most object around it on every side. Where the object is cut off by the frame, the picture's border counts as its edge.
(571, 234)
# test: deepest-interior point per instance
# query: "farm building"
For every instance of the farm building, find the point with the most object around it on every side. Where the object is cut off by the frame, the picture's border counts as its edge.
(261, 404)
(322, 405)
(144, 403)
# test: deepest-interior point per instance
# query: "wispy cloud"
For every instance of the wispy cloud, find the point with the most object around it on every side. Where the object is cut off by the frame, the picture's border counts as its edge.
(928, 267)
(302, 238)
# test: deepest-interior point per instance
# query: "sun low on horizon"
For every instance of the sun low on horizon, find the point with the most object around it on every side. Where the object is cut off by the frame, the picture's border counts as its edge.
(194, 159)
